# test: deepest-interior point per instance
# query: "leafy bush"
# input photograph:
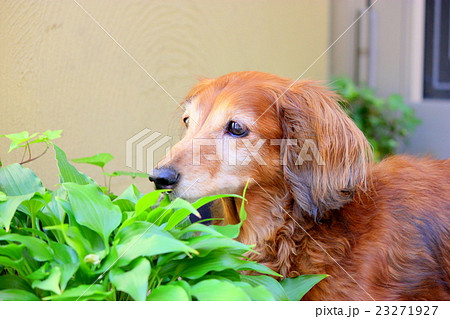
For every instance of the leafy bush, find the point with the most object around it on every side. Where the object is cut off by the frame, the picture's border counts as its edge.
(81, 242)
(385, 122)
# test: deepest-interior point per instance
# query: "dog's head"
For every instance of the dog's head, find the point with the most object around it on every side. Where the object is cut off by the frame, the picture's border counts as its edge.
(271, 131)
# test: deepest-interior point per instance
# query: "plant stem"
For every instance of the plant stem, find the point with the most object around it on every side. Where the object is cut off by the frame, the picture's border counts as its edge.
(109, 184)
(32, 159)
(104, 178)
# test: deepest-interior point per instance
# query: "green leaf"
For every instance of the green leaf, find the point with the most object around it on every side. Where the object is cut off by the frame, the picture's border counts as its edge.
(17, 295)
(131, 174)
(41, 273)
(148, 200)
(257, 293)
(135, 281)
(13, 282)
(296, 288)
(218, 260)
(51, 283)
(16, 180)
(271, 284)
(207, 243)
(196, 227)
(3, 197)
(128, 199)
(19, 139)
(81, 293)
(8, 209)
(47, 136)
(38, 249)
(67, 260)
(182, 209)
(67, 172)
(216, 290)
(12, 250)
(168, 293)
(93, 209)
(145, 239)
(100, 159)
(205, 200)
(35, 204)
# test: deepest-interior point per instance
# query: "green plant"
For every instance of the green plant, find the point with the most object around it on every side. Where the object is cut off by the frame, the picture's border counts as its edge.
(81, 242)
(385, 122)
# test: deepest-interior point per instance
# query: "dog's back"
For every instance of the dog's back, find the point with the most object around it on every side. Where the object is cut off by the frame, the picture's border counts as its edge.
(415, 194)
(399, 233)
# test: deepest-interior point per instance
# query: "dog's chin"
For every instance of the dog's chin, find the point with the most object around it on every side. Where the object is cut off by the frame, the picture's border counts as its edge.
(194, 195)
(190, 197)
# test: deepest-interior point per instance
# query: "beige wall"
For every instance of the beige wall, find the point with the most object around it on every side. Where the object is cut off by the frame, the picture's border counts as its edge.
(59, 70)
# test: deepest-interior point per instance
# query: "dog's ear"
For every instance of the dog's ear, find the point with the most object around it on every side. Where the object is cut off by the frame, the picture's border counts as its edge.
(326, 156)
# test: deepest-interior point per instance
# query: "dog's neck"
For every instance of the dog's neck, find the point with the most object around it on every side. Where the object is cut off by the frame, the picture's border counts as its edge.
(278, 229)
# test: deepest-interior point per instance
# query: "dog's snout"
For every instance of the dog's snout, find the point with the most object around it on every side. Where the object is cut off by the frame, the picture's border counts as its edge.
(164, 178)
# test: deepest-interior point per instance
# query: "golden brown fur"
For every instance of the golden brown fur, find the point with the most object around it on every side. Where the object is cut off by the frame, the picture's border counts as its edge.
(380, 231)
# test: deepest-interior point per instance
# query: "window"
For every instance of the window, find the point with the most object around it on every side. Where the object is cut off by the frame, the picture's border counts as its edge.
(437, 50)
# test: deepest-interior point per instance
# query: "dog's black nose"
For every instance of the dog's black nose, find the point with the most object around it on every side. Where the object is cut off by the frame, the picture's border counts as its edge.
(164, 178)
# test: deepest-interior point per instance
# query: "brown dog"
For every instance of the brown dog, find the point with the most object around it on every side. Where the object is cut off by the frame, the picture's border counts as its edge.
(316, 202)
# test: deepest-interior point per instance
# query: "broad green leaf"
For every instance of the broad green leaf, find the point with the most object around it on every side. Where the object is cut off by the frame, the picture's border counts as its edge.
(218, 260)
(35, 204)
(8, 209)
(128, 199)
(16, 180)
(3, 197)
(38, 249)
(100, 159)
(148, 200)
(41, 273)
(182, 209)
(271, 284)
(216, 290)
(13, 282)
(296, 288)
(17, 295)
(18, 265)
(205, 200)
(12, 250)
(82, 292)
(67, 260)
(53, 213)
(254, 266)
(230, 231)
(196, 227)
(168, 293)
(37, 233)
(51, 283)
(257, 293)
(207, 243)
(145, 239)
(67, 172)
(93, 209)
(135, 281)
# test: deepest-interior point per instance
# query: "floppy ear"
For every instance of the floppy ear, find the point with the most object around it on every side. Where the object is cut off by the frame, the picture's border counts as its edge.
(331, 156)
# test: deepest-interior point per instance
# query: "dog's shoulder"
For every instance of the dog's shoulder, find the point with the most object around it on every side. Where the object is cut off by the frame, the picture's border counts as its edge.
(410, 172)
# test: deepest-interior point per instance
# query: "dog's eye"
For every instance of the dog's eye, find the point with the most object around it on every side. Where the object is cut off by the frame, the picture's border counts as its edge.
(237, 129)
(186, 121)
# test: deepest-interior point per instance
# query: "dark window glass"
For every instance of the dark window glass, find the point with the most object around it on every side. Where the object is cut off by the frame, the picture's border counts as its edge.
(437, 50)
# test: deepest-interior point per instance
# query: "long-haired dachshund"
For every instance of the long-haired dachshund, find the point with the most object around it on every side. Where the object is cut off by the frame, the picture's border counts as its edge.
(316, 204)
